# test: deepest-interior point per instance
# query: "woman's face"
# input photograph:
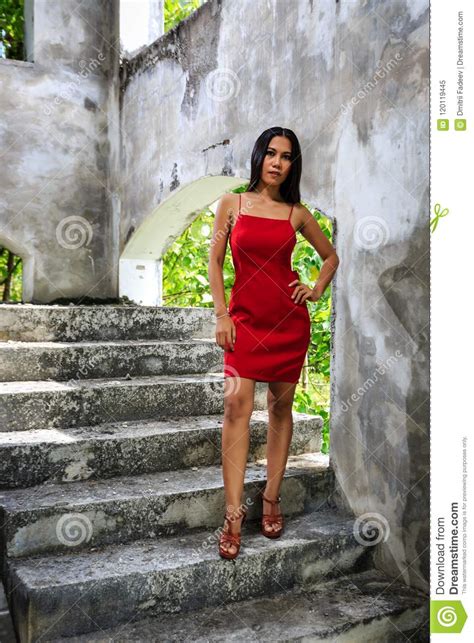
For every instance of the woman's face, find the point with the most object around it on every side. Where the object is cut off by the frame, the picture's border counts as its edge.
(277, 161)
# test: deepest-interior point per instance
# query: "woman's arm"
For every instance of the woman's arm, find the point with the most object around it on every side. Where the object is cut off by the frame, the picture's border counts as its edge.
(217, 252)
(225, 330)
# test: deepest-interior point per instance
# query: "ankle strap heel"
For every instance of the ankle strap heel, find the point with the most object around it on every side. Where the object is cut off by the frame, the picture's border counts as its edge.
(227, 537)
(271, 519)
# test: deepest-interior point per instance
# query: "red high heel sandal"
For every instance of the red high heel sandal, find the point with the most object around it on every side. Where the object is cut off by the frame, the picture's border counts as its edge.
(228, 537)
(271, 519)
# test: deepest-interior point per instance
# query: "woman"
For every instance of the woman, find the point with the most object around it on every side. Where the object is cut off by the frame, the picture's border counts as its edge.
(266, 331)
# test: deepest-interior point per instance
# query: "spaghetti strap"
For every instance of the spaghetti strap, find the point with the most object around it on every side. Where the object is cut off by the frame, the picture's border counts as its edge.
(240, 202)
(233, 226)
(291, 211)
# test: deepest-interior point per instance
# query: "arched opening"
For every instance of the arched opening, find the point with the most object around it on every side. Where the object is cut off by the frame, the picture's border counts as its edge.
(16, 30)
(16, 272)
(141, 262)
(10, 276)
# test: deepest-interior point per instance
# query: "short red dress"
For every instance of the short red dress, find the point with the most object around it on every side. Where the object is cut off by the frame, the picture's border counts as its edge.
(272, 330)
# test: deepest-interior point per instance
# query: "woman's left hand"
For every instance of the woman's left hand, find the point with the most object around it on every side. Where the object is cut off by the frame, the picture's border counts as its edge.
(302, 292)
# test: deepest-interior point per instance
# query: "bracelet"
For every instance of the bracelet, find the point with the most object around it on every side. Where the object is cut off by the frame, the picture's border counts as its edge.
(223, 315)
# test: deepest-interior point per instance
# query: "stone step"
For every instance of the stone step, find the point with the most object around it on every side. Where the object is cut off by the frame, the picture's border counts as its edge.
(366, 606)
(48, 404)
(62, 517)
(29, 458)
(33, 361)
(65, 595)
(39, 323)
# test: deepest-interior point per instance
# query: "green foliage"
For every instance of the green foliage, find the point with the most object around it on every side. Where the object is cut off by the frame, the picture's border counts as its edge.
(10, 276)
(12, 29)
(177, 10)
(186, 283)
(185, 266)
(313, 395)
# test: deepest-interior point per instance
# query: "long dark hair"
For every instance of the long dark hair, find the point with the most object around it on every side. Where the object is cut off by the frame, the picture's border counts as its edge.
(290, 188)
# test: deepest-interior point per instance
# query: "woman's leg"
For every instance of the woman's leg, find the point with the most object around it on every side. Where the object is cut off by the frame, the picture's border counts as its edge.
(239, 396)
(280, 431)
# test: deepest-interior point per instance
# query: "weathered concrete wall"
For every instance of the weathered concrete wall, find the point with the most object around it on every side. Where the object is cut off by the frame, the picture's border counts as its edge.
(352, 80)
(59, 130)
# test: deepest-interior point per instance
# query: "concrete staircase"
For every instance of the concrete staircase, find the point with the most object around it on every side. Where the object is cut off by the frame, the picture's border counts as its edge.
(111, 495)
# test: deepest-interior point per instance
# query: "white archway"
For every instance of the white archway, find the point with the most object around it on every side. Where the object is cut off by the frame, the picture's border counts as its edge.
(140, 264)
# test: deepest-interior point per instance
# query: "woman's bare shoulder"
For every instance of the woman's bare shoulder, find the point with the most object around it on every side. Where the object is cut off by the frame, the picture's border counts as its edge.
(301, 215)
(229, 199)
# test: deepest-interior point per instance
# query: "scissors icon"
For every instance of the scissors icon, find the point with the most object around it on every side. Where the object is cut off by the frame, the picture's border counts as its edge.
(438, 214)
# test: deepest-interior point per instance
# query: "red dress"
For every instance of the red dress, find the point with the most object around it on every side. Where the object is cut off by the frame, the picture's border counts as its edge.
(272, 330)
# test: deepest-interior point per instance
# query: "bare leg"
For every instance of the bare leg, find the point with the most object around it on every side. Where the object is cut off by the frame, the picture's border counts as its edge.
(280, 431)
(239, 396)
